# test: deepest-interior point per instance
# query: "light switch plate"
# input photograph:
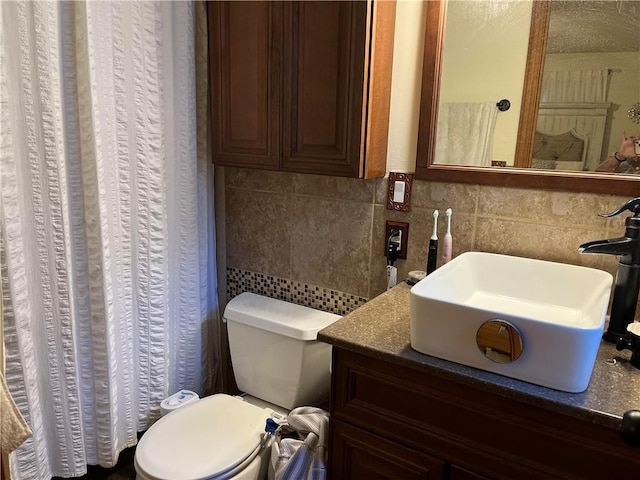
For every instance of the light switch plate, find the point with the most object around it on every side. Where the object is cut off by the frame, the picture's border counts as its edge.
(399, 191)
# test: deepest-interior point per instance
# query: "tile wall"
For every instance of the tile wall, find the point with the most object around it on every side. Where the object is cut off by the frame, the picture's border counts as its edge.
(326, 234)
(326, 299)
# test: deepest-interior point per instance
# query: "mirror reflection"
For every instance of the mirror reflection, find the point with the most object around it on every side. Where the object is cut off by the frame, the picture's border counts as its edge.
(589, 94)
(499, 341)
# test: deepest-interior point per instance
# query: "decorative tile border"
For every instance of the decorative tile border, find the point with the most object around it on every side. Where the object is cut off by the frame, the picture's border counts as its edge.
(325, 299)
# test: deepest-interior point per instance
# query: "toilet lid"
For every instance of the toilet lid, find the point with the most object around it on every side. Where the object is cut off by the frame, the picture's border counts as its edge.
(202, 439)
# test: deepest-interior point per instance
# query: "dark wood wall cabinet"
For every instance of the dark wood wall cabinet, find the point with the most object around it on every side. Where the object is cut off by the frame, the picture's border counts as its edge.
(301, 86)
(393, 422)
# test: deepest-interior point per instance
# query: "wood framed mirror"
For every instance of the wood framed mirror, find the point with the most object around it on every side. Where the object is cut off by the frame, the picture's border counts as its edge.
(520, 175)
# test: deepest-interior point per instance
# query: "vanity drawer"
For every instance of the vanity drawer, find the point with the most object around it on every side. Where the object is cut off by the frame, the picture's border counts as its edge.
(478, 430)
(363, 455)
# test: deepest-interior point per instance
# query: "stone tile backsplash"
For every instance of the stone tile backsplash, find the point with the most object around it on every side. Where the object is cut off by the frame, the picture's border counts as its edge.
(328, 232)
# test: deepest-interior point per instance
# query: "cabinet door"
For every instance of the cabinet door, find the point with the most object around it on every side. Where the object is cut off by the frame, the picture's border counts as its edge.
(324, 64)
(358, 454)
(245, 49)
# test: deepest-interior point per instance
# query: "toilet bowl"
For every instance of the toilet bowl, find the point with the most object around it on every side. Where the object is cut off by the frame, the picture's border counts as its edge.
(218, 437)
(278, 362)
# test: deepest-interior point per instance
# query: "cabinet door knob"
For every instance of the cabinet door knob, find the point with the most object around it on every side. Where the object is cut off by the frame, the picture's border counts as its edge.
(630, 428)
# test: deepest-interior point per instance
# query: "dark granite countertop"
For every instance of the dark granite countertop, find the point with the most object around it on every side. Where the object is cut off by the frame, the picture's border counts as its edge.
(380, 329)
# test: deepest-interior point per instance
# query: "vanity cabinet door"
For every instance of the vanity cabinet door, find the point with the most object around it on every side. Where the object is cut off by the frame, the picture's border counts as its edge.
(358, 454)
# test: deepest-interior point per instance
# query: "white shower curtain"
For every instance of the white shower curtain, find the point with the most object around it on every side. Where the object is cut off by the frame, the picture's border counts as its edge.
(106, 237)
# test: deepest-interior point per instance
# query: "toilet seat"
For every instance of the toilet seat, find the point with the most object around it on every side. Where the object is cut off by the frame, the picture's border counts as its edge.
(213, 438)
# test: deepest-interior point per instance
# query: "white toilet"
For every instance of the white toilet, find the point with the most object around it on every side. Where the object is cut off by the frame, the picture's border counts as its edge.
(277, 362)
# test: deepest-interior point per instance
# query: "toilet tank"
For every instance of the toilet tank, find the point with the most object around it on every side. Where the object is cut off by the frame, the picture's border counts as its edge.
(274, 351)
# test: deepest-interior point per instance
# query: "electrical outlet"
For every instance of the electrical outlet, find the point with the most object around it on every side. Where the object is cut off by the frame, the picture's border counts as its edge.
(404, 236)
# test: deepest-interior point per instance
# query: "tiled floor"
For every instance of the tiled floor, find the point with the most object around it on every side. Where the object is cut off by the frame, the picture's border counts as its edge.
(122, 471)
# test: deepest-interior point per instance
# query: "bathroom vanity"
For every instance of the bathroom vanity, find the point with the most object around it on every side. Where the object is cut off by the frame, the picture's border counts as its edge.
(400, 414)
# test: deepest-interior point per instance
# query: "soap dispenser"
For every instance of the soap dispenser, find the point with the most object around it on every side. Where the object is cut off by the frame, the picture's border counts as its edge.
(625, 294)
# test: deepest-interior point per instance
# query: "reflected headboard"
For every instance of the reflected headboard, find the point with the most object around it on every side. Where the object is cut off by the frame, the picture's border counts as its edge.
(585, 121)
(563, 151)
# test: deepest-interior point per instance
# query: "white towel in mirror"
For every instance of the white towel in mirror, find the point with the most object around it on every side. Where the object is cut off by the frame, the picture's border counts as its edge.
(464, 134)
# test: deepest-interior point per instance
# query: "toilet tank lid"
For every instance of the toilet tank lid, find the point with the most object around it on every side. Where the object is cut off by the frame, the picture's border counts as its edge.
(277, 316)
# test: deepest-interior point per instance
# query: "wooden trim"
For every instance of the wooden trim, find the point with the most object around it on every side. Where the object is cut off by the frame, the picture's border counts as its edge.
(377, 91)
(4, 467)
(534, 70)
(603, 183)
(431, 65)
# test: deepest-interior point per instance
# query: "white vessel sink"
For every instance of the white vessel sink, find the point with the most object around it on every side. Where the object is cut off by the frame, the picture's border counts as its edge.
(558, 309)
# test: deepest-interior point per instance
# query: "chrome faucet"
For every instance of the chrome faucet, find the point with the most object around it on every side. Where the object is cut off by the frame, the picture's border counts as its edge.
(627, 287)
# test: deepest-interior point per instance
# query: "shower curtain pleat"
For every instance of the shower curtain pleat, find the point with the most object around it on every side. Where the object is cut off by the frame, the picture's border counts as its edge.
(106, 224)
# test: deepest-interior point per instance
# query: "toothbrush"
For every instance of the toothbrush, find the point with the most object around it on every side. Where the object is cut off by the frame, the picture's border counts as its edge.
(432, 257)
(448, 239)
